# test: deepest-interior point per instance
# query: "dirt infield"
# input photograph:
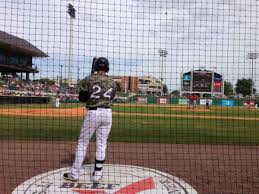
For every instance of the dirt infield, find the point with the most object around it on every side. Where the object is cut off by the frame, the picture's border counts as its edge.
(189, 109)
(65, 112)
(47, 112)
(210, 169)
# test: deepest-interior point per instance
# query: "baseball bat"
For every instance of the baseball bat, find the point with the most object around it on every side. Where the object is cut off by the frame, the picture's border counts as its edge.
(83, 94)
(93, 64)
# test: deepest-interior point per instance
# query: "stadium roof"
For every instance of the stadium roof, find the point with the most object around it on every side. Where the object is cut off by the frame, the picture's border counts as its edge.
(16, 68)
(14, 43)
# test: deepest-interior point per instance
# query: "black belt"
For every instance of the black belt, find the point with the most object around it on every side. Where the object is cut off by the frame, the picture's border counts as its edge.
(95, 108)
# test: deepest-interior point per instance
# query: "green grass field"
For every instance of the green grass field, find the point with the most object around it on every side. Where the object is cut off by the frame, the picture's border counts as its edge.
(182, 110)
(136, 128)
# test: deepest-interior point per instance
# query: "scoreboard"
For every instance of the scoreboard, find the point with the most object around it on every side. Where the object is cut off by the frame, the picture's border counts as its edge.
(202, 81)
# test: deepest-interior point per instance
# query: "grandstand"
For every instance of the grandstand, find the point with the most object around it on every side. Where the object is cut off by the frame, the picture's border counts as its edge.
(16, 55)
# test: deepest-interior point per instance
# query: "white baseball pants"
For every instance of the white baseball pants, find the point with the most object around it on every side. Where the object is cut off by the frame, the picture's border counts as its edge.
(96, 121)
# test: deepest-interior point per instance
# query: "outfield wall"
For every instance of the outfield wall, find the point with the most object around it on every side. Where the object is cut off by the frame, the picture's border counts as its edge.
(184, 101)
(24, 100)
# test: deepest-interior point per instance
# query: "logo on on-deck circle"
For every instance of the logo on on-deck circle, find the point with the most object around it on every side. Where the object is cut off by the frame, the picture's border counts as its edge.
(117, 179)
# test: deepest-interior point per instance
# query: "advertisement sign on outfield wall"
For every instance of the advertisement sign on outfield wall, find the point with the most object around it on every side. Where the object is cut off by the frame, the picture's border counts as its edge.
(141, 100)
(203, 101)
(249, 103)
(228, 103)
(162, 100)
(183, 101)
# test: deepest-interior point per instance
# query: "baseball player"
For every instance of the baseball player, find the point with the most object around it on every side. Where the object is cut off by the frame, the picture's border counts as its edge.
(97, 90)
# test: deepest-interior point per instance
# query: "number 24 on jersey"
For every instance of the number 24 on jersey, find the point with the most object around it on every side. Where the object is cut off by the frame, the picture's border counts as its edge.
(97, 92)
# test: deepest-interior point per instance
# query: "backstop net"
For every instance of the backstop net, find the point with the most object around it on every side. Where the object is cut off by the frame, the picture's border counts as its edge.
(184, 116)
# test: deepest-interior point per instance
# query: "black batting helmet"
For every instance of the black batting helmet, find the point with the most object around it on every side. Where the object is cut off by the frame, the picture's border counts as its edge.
(101, 64)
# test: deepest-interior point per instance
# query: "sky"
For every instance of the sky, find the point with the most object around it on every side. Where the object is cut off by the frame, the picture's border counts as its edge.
(208, 34)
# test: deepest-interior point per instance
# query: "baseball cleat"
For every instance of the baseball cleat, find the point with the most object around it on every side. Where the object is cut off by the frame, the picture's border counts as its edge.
(69, 177)
(97, 177)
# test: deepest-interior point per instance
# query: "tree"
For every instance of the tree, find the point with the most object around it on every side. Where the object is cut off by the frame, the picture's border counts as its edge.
(165, 89)
(64, 85)
(243, 86)
(175, 93)
(228, 88)
(46, 81)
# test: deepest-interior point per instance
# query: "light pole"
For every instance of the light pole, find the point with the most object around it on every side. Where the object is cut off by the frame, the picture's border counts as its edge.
(72, 13)
(61, 78)
(162, 54)
(78, 69)
(253, 56)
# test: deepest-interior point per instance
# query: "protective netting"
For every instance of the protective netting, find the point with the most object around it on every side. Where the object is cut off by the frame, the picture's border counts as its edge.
(184, 117)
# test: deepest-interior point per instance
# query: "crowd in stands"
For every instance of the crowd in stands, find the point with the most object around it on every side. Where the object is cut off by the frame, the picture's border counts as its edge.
(15, 86)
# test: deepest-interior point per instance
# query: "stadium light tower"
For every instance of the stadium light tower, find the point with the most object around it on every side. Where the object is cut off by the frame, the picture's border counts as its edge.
(253, 56)
(162, 54)
(61, 78)
(78, 70)
(72, 13)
